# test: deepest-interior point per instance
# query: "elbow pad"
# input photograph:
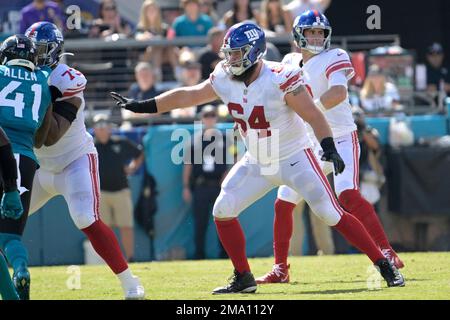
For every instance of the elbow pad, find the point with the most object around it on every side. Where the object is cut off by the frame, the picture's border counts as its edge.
(66, 110)
(55, 93)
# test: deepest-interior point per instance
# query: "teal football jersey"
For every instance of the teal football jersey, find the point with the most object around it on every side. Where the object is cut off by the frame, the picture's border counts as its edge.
(24, 100)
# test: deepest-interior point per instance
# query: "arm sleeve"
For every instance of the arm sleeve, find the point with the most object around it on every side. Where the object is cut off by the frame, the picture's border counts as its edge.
(287, 77)
(338, 79)
(339, 61)
(68, 81)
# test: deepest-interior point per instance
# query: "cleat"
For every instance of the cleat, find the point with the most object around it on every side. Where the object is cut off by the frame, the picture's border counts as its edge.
(21, 280)
(240, 283)
(279, 274)
(393, 258)
(390, 273)
(136, 292)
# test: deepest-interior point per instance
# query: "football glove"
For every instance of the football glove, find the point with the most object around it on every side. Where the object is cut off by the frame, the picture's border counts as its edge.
(330, 154)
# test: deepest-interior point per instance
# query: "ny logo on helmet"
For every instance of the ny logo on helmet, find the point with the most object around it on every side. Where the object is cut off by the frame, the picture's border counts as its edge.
(252, 34)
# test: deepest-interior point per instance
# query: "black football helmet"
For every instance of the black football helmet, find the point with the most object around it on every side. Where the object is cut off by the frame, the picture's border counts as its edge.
(18, 50)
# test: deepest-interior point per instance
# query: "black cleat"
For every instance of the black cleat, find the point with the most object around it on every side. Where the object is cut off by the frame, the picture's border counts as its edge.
(240, 283)
(390, 273)
(21, 279)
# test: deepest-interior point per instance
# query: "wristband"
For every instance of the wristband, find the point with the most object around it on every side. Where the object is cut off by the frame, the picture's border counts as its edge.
(66, 110)
(146, 106)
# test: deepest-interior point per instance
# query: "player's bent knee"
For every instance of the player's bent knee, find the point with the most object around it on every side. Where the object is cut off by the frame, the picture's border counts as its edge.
(82, 209)
(287, 194)
(326, 213)
(224, 207)
(313, 191)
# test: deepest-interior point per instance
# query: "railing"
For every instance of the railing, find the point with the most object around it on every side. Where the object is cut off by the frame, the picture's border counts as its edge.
(109, 65)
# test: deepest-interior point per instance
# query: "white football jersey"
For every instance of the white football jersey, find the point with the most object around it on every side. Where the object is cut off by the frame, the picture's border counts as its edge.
(270, 129)
(317, 71)
(76, 141)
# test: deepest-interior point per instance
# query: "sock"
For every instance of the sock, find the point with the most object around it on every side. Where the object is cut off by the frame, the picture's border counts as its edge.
(14, 250)
(106, 245)
(355, 233)
(127, 280)
(233, 240)
(282, 230)
(354, 203)
(7, 290)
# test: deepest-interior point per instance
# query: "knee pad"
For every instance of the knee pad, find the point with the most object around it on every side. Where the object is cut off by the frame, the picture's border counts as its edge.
(313, 190)
(82, 209)
(327, 213)
(289, 195)
(224, 206)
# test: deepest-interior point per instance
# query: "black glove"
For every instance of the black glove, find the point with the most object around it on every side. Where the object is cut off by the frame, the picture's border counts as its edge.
(145, 106)
(330, 154)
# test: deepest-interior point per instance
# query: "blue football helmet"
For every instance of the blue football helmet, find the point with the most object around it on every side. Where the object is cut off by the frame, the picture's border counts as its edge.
(247, 39)
(49, 42)
(311, 19)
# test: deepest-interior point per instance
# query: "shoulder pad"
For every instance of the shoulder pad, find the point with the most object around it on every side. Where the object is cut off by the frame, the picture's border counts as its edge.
(69, 81)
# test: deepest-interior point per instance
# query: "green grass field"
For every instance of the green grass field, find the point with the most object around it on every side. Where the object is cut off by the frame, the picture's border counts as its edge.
(327, 277)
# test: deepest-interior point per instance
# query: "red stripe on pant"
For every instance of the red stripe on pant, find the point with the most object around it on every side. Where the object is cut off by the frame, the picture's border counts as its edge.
(318, 171)
(97, 186)
(94, 182)
(355, 144)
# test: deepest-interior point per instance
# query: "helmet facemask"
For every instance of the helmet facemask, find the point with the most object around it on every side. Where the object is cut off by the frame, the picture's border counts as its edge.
(304, 43)
(46, 53)
(237, 59)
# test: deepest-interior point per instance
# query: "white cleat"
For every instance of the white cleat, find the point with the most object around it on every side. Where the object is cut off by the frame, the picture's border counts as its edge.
(136, 292)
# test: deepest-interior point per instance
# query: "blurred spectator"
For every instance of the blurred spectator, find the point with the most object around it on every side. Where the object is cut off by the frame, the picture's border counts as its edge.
(272, 17)
(151, 26)
(142, 89)
(297, 7)
(109, 23)
(377, 94)
(241, 11)
(209, 56)
(208, 7)
(201, 181)
(193, 22)
(438, 76)
(41, 10)
(114, 155)
(190, 74)
(371, 171)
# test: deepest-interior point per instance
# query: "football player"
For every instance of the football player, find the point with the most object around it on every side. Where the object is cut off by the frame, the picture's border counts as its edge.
(70, 166)
(26, 117)
(267, 101)
(327, 73)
